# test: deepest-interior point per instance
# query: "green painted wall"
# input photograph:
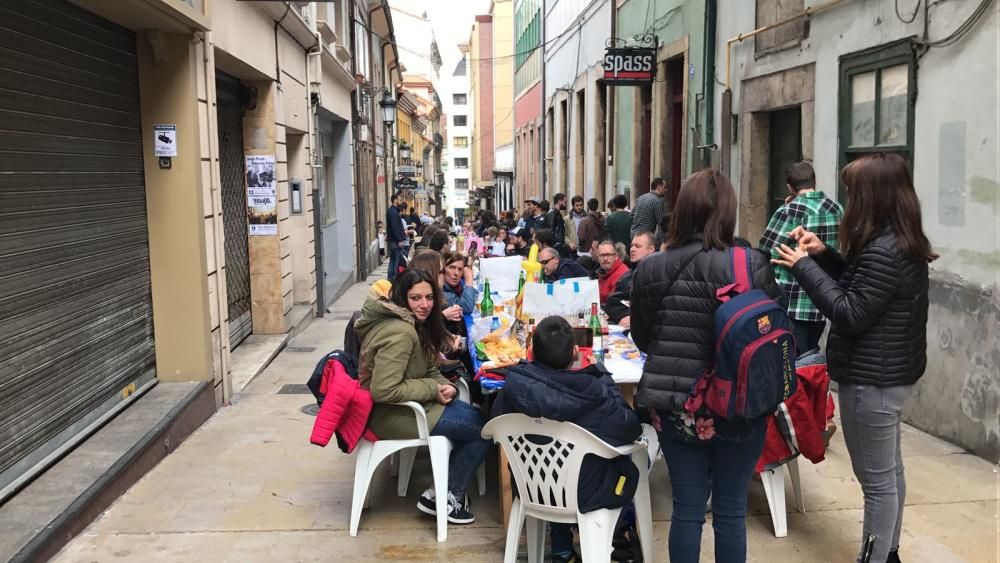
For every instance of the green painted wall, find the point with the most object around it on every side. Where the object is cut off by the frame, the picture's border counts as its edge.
(671, 20)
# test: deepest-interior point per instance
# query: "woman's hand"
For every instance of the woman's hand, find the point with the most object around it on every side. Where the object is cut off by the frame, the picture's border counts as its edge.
(446, 394)
(807, 241)
(467, 274)
(789, 256)
(453, 313)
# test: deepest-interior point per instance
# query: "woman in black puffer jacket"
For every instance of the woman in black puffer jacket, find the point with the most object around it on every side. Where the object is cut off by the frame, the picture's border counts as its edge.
(876, 299)
(673, 307)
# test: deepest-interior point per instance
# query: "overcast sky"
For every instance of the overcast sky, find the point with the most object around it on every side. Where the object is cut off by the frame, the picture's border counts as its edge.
(451, 21)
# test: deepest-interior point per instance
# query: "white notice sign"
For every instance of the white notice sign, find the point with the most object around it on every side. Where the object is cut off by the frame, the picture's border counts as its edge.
(165, 140)
(262, 199)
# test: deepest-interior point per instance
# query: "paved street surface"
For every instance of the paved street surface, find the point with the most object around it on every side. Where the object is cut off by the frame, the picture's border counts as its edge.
(249, 487)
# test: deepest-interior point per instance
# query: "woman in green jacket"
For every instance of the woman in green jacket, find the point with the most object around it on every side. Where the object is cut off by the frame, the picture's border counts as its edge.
(400, 337)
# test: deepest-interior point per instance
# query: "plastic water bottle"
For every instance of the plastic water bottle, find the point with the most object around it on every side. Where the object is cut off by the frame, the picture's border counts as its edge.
(495, 324)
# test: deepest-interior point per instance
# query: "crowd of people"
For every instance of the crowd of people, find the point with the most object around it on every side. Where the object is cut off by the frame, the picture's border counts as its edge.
(861, 271)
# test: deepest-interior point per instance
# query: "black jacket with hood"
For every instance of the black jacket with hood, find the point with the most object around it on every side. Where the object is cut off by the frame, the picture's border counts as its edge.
(590, 399)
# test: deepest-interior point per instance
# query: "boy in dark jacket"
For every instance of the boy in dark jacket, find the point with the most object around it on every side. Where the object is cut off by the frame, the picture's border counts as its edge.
(588, 398)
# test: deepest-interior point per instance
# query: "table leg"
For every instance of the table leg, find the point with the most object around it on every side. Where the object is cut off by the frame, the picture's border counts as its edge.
(506, 496)
(628, 392)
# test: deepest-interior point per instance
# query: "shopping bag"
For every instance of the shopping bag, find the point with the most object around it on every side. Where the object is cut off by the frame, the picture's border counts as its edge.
(570, 296)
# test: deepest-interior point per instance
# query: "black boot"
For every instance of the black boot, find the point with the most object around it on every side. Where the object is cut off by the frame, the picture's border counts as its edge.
(893, 557)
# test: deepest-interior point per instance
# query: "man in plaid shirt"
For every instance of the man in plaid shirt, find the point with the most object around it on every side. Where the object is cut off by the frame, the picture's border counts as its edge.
(647, 215)
(815, 212)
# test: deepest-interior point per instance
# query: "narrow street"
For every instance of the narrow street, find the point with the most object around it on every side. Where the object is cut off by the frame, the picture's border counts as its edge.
(561, 187)
(268, 495)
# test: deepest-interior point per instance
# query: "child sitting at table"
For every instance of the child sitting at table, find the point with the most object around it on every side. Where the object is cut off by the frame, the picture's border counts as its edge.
(589, 398)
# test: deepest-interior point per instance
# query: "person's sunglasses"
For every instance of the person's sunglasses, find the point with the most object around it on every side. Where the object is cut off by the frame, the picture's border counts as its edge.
(545, 262)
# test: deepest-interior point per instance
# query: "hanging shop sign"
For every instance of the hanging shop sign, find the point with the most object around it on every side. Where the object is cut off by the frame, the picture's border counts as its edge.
(629, 66)
(405, 184)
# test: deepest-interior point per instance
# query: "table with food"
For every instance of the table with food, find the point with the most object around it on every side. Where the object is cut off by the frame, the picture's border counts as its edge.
(514, 299)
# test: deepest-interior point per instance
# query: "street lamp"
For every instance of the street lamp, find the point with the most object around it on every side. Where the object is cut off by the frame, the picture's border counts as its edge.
(388, 106)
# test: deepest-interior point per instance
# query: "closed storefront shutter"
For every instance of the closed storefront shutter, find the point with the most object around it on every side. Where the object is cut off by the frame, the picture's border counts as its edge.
(76, 328)
(234, 206)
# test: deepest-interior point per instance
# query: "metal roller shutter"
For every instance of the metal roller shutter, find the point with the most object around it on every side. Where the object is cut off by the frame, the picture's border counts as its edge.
(76, 329)
(234, 206)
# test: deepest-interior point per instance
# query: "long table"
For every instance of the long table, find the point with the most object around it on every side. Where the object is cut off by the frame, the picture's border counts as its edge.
(626, 374)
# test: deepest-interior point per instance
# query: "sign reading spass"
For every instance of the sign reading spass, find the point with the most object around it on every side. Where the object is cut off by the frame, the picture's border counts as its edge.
(629, 66)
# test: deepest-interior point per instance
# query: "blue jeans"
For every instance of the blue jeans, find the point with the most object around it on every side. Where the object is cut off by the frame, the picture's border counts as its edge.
(395, 259)
(561, 536)
(723, 468)
(463, 425)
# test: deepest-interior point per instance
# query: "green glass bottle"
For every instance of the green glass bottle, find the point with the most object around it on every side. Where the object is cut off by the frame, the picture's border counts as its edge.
(486, 305)
(598, 332)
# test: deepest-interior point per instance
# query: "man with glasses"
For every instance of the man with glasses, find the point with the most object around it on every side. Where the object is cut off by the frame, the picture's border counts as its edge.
(556, 268)
(610, 268)
(618, 307)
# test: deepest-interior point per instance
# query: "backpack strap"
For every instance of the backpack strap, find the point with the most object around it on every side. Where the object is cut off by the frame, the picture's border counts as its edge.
(741, 274)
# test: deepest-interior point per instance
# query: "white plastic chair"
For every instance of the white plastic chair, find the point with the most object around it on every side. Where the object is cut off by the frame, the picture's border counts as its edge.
(547, 476)
(773, 481)
(370, 455)
(404, 465)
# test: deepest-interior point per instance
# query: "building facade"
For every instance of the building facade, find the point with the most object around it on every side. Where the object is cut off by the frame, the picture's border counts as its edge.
(576, 104)
(528, 132)
(334, 204)
(377, 71)
(481, 86)
(502, 65)
(459, 111)
(916, 89)
(213, 195)
(660, 125)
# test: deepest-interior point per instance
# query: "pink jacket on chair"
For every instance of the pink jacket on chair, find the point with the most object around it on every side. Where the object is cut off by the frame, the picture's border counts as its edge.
(345, 410)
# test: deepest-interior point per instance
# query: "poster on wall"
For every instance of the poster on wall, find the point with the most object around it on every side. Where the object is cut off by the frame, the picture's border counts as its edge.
(262, 196)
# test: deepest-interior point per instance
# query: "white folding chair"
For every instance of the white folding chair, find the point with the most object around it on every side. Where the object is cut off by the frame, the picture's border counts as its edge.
(773, 481)
(547, 476)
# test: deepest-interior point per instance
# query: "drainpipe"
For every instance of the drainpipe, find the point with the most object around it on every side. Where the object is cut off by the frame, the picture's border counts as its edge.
(543, 129)
(610, 163)
(360, 212)
(709, 73)
(314, 64)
